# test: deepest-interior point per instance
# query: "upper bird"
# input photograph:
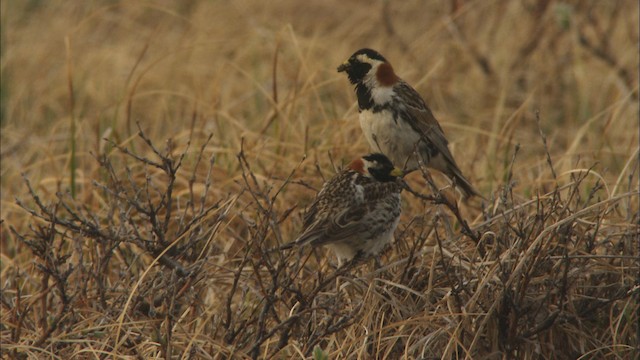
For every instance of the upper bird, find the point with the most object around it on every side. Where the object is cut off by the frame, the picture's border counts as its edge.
(396, 120)
(357, 211)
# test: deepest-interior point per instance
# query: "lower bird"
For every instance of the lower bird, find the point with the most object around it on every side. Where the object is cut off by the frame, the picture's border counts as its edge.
(357, 211)
(396, 120)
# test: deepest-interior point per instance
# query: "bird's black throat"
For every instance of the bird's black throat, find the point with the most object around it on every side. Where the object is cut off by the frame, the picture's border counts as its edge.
(365, 101)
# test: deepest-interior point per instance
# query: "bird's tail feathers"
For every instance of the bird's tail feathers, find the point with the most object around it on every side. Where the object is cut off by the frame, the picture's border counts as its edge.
(302, 240)
(462, 184)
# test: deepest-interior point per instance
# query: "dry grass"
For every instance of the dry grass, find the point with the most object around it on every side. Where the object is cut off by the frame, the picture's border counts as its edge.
(153, 154)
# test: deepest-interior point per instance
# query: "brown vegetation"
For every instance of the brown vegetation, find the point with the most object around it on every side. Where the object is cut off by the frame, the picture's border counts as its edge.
(154, 155)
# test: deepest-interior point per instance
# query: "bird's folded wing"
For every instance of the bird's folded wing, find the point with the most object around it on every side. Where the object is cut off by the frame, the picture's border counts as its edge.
(339, 227)
(422, 120)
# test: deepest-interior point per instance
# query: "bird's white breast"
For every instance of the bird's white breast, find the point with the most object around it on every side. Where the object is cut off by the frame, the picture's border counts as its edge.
(358, 193)
(382, 94)
(396, 140)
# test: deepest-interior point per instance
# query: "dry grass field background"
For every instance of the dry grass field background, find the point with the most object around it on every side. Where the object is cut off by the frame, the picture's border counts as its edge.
(153, 153)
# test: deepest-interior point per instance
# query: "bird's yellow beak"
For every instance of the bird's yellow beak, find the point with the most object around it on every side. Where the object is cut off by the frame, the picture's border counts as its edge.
(397, 172)
(344, 66)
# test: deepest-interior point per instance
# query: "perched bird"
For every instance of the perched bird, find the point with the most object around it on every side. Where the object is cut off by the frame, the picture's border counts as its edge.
(357, 211)
(395, 119)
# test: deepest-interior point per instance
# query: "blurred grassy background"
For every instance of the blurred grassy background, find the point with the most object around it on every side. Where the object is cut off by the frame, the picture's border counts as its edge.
(76, 73)
(207, 67)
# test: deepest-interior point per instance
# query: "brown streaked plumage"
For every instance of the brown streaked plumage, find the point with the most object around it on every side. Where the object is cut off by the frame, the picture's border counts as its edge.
(396, 120)
(357, 211)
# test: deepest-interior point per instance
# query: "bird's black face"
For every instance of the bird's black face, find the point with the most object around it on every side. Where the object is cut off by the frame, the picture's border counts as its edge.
(381, 168)
(359, 64)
